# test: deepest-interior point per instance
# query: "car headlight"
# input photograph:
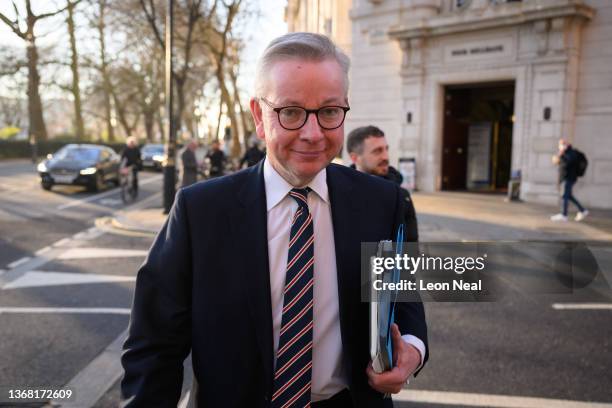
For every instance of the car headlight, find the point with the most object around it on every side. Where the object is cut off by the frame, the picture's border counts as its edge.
(42, 167)
(158, 157)
(89, 170)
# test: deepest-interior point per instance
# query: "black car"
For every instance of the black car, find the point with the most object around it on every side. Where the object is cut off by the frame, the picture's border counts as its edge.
(153, 156)
(80, 164)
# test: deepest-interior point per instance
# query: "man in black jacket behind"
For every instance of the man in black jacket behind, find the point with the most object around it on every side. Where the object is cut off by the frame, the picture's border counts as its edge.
(369, 153)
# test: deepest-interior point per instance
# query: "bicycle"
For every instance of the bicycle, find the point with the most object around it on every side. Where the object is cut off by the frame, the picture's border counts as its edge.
(126, 177)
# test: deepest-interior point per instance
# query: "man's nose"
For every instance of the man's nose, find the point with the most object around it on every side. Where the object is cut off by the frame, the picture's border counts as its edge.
(311, 130)
(385, 155)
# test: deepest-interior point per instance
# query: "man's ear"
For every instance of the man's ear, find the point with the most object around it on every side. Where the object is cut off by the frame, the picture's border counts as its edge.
(354, 157)
(257, 114)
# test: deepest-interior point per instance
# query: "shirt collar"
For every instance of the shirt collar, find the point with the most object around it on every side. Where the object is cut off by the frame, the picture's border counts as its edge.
(277, 187)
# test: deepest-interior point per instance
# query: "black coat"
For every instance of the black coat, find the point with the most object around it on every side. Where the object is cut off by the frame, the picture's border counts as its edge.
(132, 156)
(252, 156)
(217, 162)
(568, 165)
(205, 288)
(410, 219)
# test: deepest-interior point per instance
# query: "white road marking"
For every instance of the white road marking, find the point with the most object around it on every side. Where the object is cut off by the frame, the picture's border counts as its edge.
(111, 202)
(86, 253)
(66, 310)
(491, 400)
(97, 377)
(582, 306)
(79, 235)
(43, 250)
(21, 210)
(61, 242)
(34, 279)
(75, 203)
(18, 262)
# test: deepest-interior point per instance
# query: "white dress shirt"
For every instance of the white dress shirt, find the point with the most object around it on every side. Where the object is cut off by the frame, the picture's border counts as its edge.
(328, 376)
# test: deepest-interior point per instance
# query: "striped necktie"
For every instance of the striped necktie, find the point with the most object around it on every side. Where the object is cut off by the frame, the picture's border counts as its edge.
(292, 377)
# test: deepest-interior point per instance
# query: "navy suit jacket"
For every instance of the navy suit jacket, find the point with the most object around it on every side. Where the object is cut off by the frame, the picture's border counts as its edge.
(205, 288)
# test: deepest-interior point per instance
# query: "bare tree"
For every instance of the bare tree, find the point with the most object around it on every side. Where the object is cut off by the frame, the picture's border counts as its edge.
(189, 14)
(233, 69)
(79, 128)
(217, 42)
(35, 108)
(102, 66)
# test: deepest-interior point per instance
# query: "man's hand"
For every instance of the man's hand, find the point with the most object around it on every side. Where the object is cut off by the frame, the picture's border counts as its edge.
(406, 360)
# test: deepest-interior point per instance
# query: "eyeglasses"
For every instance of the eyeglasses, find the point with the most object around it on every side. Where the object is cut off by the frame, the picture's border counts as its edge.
(294, 117)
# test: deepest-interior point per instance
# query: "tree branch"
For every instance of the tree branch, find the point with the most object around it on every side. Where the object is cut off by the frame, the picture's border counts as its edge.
(14, 26)
(151, 18)
(56, 12)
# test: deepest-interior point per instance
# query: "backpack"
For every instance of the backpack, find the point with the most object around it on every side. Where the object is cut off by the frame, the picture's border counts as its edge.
(581, 163)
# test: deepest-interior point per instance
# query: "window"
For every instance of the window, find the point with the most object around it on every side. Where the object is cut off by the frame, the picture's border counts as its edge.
(462, 4)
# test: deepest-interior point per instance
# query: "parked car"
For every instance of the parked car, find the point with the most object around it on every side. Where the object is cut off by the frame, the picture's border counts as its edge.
(153, 156)
(86, 165)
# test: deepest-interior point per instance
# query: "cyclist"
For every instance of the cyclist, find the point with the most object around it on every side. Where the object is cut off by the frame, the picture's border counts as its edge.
(130, 157)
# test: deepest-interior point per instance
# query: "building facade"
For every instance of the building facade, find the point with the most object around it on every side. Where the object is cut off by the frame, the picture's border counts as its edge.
(477, 92)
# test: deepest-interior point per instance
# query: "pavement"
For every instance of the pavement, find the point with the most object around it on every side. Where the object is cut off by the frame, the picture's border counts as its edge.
(443, 216)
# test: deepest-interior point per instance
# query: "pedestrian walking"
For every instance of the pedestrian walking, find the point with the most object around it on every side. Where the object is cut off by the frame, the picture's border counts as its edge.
(572, 164)
(217, 159)
(189, 164)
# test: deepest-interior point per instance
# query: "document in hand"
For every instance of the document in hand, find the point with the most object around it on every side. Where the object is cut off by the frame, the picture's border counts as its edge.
(382, 309)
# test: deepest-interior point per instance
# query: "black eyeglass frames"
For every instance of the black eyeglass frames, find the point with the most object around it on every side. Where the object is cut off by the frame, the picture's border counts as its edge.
(294, 117)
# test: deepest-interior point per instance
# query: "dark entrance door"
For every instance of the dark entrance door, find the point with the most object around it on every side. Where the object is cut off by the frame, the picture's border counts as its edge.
(477, 136)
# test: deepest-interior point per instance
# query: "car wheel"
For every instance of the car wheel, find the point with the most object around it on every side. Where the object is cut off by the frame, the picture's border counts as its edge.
(46, 185)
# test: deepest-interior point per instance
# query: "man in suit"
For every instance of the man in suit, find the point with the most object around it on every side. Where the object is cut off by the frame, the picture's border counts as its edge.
(369, 152)
(258, 273)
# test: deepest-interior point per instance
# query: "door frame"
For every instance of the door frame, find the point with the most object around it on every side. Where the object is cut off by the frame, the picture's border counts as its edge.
(432, 148)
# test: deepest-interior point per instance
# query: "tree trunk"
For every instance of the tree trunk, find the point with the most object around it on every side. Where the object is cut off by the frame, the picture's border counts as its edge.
(180, 106)
(244, 118)
(121, 111)
(79, 128)
(35, 109)
(231, 113)
(105, 78)
(160, 123)
(216, 135)
(149, 121)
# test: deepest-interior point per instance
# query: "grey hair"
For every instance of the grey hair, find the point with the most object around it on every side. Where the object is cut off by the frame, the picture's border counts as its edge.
(300, 45)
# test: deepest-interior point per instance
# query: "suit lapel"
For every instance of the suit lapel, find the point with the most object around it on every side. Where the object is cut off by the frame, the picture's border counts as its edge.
(249, 227)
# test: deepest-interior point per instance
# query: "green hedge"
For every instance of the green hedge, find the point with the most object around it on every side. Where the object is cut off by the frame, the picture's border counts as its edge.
(13, 149)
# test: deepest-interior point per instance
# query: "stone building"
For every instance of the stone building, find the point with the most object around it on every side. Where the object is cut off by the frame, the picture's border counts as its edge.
(476, 91)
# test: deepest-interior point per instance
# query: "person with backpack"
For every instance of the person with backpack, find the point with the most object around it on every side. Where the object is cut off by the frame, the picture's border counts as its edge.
(572, 164)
